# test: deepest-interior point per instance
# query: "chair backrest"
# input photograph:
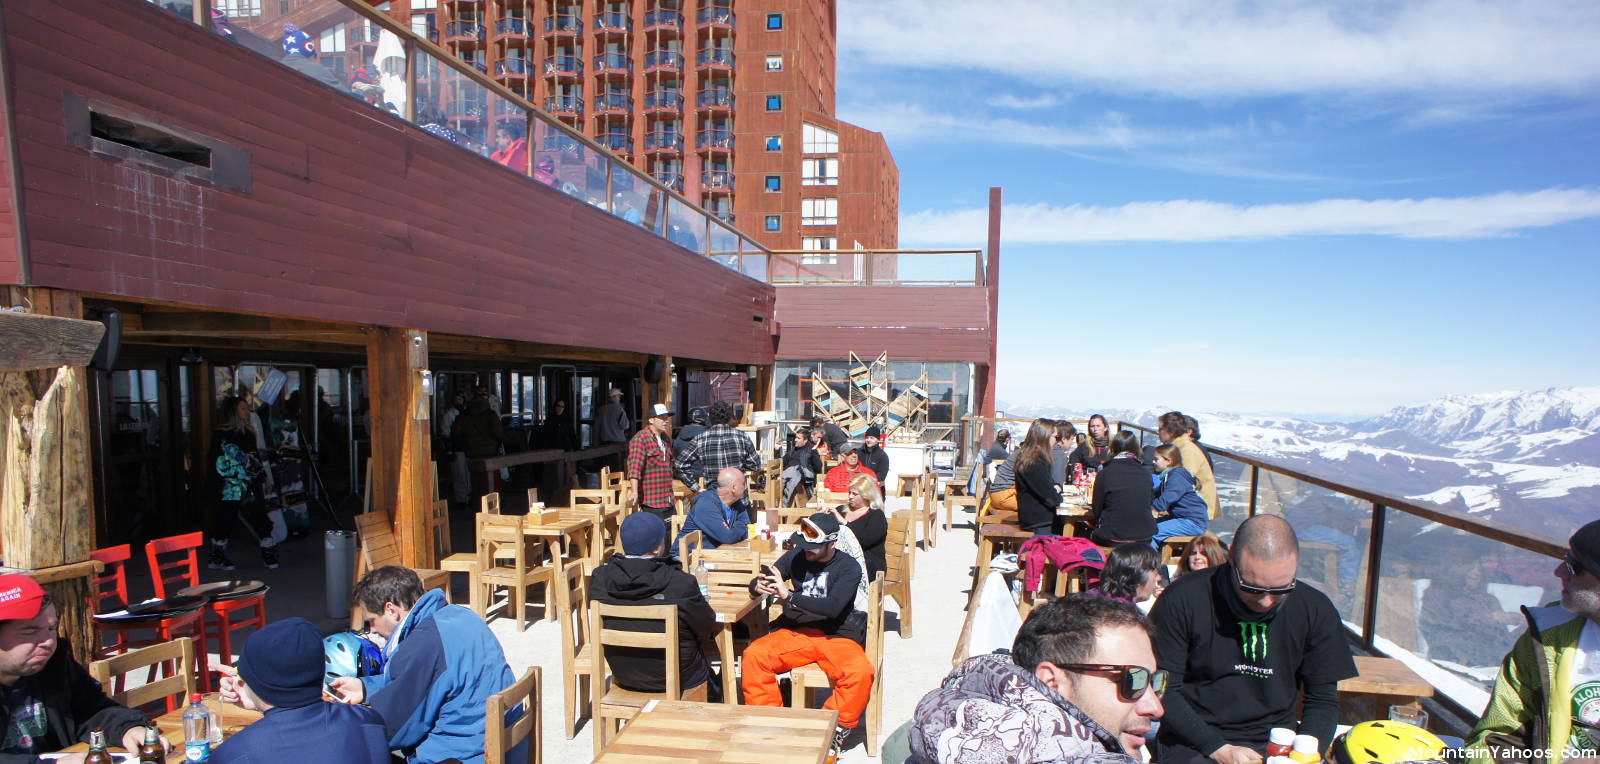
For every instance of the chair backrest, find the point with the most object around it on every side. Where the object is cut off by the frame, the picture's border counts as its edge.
(875, 621)
(533, 498)
(378, 547)
(793, 515)
(490, 503)
(833, 498)
(665, 640)
(727, 567)
(593, 496)
(686, 542)
(572, 596)
(500, 737)
(501, 538)
(177, 684)
(439, 524)
(897, 548)
(173, 561)
(113, 583)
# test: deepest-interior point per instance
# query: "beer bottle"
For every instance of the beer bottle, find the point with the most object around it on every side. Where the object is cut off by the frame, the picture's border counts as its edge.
(150, 752)
(97, 748)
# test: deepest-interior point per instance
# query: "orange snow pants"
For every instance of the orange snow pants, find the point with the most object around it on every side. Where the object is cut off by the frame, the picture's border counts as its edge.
(841, 659)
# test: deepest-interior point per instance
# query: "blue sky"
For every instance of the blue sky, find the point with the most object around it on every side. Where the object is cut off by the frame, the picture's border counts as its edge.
(1284, 206)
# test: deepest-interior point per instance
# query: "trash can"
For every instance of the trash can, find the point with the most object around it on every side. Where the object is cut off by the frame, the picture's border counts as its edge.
(339, 564)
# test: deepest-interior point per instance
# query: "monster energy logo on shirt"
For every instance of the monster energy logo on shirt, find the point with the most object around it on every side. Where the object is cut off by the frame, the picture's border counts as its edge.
(1253, 641)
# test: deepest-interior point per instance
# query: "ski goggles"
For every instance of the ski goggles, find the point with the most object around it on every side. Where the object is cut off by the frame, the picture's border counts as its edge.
(1249, 589)
(1132, 681)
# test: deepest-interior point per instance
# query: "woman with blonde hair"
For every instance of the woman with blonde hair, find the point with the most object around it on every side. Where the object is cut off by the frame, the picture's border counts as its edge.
(863, 515)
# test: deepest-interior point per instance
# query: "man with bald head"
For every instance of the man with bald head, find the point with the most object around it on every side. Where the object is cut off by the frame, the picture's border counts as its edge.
(1239, 642)
(721, 513)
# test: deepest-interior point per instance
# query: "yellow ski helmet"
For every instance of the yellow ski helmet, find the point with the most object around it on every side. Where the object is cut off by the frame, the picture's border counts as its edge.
(1386, 742)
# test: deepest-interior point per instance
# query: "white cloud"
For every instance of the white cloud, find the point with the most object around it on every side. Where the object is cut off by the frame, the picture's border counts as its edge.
(1011, 101)
(1191, 220)
(1205, 48)
(907, 121)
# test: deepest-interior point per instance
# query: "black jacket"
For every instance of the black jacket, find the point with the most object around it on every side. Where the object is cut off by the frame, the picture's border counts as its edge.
(871, 529)
(1089, 456)
(822, 595)
(1037, 498)
(1122, 497)
(73, 704)
(877, 460)
(805, 457)
(834, 436)
(654, 581)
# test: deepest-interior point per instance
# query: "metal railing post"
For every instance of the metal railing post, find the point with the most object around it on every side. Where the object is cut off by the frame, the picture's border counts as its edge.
(1255, 480)
(1369, 623)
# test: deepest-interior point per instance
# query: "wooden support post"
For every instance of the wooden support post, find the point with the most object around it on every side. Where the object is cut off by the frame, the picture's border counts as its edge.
(46, 488)
(401, 450)
(761, 389)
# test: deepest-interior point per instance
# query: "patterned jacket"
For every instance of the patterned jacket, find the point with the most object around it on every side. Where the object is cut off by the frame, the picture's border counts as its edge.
(1524, 715)
(989, 711)
(718, 447)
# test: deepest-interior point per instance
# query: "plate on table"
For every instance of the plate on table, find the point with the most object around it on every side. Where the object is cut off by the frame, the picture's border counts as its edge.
(218, 590)
(168, 605)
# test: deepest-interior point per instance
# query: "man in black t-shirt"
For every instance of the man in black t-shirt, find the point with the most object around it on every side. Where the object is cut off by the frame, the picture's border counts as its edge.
(1239, 642)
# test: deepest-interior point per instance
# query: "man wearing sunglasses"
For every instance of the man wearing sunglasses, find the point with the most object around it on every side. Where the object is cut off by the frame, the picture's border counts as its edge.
(1547, 696)
(1240, 642)
(1079, 685)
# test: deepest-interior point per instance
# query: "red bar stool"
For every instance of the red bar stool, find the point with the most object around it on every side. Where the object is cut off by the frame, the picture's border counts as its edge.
(174, 560)
(109, 591)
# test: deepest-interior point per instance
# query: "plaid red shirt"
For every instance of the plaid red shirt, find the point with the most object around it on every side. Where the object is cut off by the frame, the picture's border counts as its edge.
(650, 463)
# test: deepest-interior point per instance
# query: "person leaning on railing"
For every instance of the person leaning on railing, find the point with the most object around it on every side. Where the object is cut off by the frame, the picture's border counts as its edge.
(1547, 696)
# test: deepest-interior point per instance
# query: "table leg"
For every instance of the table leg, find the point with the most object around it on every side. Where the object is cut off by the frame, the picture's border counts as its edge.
(730, 688)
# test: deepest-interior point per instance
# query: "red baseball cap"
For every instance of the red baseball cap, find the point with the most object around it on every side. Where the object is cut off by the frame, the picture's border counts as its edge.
(21, 597)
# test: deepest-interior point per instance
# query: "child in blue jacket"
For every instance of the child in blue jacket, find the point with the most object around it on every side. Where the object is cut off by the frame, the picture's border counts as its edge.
(1181, 510)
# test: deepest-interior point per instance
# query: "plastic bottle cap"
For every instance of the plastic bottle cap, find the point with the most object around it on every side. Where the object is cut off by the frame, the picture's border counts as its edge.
(194, 697)
(1282, 736)
(1306, 744)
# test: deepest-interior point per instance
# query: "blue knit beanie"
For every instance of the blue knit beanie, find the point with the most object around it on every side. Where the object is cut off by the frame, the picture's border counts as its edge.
(641, 533)
(283, 663)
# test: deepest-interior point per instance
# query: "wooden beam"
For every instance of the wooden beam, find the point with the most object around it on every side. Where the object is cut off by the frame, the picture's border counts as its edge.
(401, 447)
(205, 322)
(448, 345)
(35, 342)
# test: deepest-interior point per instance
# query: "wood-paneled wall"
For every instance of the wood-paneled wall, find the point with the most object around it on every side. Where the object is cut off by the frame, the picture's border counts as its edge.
(927, 323)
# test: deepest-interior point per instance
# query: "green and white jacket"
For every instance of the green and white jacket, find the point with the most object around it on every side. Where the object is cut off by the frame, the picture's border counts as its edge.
(1529, 717)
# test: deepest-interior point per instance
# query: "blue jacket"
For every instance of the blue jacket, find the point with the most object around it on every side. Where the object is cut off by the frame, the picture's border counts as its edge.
(1175, 495)
(321, 733)
(718, 523)
(443, 664)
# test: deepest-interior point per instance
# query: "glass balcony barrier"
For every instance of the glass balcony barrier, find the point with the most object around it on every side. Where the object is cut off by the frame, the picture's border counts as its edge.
(563, 65)
(717, 98)
(458, 103)
(666, 59)
(663, 100)
(513, 66)
(714, 57)
(511, 27)
(463, 30)
(563, 24)
(717, 179)
(852, 267)
(718, 16)
(363, 35)
(714, 139)
(674, 181)
(613, 102)
(663, 140)
(621, 143)
(564, 105)
(613, 22)
(660, 18)
(612, 62)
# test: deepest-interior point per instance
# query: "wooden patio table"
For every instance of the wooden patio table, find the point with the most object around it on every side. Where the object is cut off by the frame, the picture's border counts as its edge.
(231, 717)
(685, 732)
(733, 604)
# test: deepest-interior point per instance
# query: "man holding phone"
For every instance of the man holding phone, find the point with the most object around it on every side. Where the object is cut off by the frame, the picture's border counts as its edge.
(817, 586)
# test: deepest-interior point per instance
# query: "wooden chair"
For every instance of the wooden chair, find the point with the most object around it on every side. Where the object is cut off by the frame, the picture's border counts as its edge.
(899, 546)
(993, 537)
(173, 561)
(177, 656)
(459, 562)
(572, 596)
(810, 676)
(833, 498)
(922, 500)
(439, 528)
(687, 542)
(499, 738)
(727, 567)
(955, 495)
(594, 496)
(378, 548)
(599, 545)
(490, 503)
(497, 536)
(1172, 549)
(613, 705)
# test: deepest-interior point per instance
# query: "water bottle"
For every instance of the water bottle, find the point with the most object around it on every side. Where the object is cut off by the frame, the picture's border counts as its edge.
(702, 577)
(196, 730)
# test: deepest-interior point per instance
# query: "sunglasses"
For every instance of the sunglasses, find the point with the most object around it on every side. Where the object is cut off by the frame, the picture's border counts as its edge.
(1132, 681)
(1573, 567)
(1248, 589)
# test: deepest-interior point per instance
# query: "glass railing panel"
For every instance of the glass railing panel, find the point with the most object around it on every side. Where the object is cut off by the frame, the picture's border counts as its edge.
(1233, 489)
(722, 245)
(596, 172)
(715, 16)
(714, 139)
(667, 58)
(664, 19)
(686, 227)
(630, 196)
(612, 62)
(563, 105)
(752, 259)
(667, 100)
(563, 24)
(613, 22)
(557, 158)
(509, 134)
(452, 105)
(618, 142)
(715, 57)
(1334, 530)
(613, 101)
(332, 48)
(655, 211)
(184, 9)
(511, 26)
(714, 98)
(563, 64)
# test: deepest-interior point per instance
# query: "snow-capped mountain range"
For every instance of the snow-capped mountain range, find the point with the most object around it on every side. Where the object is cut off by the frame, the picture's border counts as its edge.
(1531, 458)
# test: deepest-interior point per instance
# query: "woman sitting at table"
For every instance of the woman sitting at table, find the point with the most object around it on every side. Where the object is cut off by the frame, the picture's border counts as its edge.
(1094, 451)
(1203, 551)
(1122, 496)
(1037, 497)
(863, 515)
(1062, 448)
(1132, 574)
(1180, 509)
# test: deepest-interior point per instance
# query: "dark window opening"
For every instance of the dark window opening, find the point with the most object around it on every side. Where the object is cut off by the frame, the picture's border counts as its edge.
(149, 139)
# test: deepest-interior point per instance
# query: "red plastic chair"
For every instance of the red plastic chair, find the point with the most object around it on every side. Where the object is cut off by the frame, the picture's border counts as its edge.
(174, 560)
(109, 591)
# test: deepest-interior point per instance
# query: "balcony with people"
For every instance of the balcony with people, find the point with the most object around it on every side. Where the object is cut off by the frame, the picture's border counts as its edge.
(563, 26)
(663, 21)
(613, 24)
(714, 60)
